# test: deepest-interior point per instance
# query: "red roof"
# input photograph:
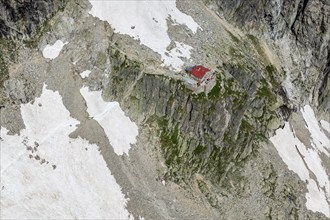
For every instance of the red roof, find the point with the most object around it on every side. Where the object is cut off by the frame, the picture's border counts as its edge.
(199, 71)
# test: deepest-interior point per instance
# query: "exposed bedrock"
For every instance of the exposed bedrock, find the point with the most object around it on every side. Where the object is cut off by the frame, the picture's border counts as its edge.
(209, 135)
(300, 30)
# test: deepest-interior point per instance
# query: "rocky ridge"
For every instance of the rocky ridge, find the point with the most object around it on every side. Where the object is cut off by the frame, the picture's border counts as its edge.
(300, 33)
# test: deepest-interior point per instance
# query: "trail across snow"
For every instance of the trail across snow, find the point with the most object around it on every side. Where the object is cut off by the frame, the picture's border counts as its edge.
(120, 130)
(306, 161)
(148, 22)
(45, 174)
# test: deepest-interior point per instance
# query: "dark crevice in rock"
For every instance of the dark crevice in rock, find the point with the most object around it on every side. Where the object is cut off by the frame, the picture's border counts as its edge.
(324, 90)
(300, 15)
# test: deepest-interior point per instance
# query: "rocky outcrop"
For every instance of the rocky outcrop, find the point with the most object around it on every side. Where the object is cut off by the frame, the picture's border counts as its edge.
(214, 141)
(324, 89)
(208, 135)
(21, 19)
(301, 31)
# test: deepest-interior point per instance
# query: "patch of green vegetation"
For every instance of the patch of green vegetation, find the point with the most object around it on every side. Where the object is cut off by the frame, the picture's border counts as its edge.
(200, 96)
(101, 59)
(133, 98)
(3, 70)
(271, 73)
(261, 137)
(7, 55)
(200, 149)
(61, 4)
(246, 126)
(171, 100)
(120, 62)
(211, 109)
(252, 38)
(265, 91)
(233, 37)
(168, 139)
(233, 92)
(168, 145)
(227, 139)
(235, 53)
(270, 69)
(215, 92)
(256, 44)
(35, 39)
(162, 122)
(175, 135)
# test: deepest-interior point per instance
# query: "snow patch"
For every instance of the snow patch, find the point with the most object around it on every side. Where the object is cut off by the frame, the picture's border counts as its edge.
(85, 74)
(147, 21)
(319, 139)
(306, 161)
(120, 130)
(325, 125)
(52, 51)
(45, 174)
(175, 56)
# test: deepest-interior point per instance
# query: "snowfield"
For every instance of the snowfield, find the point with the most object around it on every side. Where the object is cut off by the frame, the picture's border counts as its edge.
(45, 174)
(306, 161)
(147, 21)
(53, 51)
(120, 130)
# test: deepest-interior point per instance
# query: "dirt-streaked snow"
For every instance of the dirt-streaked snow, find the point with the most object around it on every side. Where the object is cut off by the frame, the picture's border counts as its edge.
(147, 21)
(174, 60)
(120, 130)
(65, 178)
(306, 161)
(52, 51)
(85, 74)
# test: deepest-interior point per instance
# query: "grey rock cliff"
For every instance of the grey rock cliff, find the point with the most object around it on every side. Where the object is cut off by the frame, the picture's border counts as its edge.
(300, 25)
(210, 135)
(20, 19)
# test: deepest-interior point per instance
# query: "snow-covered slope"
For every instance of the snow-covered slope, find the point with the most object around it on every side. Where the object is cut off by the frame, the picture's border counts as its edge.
(306, 161)
(148, 22)
(45, 174)
(120, 130)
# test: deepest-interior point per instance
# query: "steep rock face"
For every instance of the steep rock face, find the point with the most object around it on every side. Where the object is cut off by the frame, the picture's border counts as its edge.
(300, 30)
(209, 135)
(306, 20)
(324, 91)
(20, 19)
(214, 142)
